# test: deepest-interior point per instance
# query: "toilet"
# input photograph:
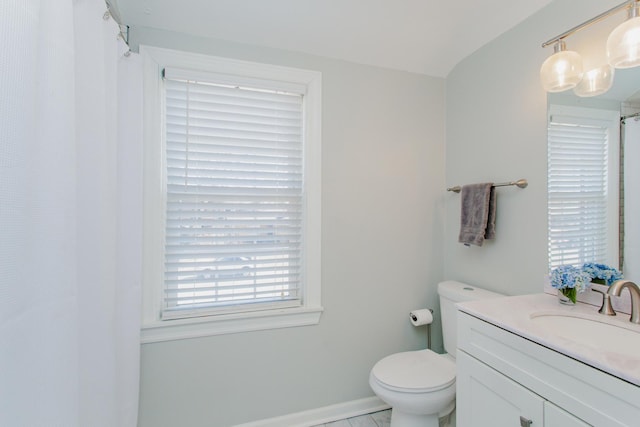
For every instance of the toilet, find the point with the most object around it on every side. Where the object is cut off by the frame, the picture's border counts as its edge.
(420, 386)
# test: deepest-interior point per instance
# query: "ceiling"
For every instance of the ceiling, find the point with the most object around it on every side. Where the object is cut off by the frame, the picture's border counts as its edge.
(422, 36)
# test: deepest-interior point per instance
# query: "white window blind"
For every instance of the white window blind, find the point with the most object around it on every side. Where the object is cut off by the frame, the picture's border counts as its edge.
(578, 191)
(234, 194)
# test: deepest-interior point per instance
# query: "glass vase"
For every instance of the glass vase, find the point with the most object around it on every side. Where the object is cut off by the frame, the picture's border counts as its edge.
(567, 296)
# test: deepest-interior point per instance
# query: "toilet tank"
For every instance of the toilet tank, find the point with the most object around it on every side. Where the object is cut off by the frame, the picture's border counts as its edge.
(452, 292)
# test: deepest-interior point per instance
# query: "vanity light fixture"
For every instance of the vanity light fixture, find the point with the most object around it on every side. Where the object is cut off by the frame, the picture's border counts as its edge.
(623, 44)
(595, 82)
(563, 70)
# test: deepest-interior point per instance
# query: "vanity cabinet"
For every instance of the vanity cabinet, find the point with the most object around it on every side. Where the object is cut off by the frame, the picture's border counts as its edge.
(488, 398)
(506, 380)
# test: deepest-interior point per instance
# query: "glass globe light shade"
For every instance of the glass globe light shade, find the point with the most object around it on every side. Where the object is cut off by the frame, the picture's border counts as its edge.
(623, 44)
(562, 70)
(595, 82)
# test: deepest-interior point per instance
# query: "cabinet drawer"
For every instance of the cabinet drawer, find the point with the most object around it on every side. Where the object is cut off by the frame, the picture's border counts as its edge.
(557, 417)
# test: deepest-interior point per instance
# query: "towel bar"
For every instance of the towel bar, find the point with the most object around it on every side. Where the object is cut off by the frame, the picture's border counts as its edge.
(521, 183)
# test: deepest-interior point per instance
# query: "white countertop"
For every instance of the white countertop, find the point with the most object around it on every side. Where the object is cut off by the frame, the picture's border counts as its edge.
(514, 315)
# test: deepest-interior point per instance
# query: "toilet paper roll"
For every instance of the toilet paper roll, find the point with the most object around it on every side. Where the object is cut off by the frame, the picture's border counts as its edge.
(421, 317)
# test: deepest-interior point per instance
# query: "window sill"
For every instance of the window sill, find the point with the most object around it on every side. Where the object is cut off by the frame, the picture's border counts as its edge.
(159, 331)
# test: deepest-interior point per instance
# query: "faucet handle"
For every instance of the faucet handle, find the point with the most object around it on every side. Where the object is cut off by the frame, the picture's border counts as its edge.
(606, 307)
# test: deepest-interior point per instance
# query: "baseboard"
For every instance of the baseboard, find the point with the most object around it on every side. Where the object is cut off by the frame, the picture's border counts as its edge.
(323, 415)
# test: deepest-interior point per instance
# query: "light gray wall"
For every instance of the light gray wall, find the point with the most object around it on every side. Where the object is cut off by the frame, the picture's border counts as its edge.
(382, 216)
(496, 131)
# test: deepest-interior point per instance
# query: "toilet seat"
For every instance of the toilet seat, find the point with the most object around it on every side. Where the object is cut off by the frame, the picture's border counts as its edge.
(415, 371)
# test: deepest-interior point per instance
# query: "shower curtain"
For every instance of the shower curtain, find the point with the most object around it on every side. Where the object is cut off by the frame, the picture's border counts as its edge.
(631, 135)
(69, 265)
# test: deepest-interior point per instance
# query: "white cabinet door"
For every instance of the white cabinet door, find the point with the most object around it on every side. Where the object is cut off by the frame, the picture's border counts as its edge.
(557, 417)
(487, 398)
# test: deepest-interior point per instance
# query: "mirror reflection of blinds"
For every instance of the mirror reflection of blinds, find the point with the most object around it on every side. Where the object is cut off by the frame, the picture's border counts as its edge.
(577, 191)
(234, 175)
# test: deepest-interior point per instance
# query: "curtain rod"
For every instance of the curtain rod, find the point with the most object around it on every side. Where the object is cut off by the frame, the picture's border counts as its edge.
(630, 116)
(521, 183)
(589, 22)
(112, 12)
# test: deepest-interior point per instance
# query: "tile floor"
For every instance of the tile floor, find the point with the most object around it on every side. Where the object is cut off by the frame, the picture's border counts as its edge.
(376, 419)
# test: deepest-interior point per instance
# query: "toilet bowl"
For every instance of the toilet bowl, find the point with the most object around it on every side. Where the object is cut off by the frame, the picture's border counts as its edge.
(420, 386)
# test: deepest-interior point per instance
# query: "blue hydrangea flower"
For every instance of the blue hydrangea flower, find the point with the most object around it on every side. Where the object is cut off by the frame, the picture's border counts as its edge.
(568, 276)
(603, 272)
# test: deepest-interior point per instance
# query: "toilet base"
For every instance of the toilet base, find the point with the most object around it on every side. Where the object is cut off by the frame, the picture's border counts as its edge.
(403, 419)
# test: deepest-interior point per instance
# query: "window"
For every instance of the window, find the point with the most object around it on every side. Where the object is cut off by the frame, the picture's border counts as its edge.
(232, 196)
(582, 186)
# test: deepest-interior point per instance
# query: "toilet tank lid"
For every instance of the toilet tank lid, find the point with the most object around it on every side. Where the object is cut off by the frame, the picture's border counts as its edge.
(458, 291)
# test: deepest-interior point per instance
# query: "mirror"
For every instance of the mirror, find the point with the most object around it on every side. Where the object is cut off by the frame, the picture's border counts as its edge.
(624, 98)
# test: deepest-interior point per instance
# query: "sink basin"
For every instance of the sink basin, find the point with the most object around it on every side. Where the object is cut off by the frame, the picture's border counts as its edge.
(597, 332)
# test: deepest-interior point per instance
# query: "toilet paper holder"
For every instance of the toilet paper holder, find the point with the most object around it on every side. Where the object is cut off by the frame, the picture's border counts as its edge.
(414, 318)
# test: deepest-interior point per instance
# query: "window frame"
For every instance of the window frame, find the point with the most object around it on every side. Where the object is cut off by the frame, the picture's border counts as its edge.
(154, 329)
(611, 120)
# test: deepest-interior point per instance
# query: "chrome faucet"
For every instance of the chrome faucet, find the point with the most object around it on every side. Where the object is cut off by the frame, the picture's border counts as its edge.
(616, 288)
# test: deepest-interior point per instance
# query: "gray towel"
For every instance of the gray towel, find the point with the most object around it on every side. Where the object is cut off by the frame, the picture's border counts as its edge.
(477, 214)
